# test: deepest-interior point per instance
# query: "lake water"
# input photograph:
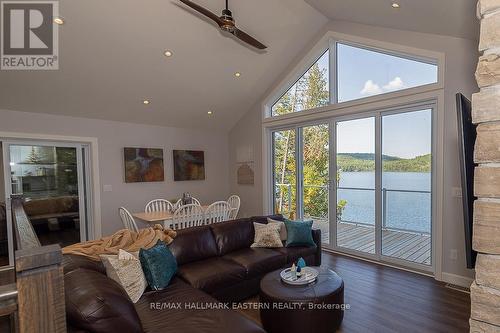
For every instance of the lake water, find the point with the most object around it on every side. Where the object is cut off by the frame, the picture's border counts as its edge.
(404, 210)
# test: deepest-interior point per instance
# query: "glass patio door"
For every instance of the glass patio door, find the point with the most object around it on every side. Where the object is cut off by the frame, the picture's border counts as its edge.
(314, 184)
(406, 186)
(383, 192)
(355, 165)
(381, 165)
(51, 178)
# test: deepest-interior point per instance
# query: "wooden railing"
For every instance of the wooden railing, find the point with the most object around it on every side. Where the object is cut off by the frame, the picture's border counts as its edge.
(39, 283)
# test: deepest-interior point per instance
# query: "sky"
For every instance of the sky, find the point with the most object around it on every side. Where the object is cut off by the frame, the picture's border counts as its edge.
(404, 135)
(363, 73)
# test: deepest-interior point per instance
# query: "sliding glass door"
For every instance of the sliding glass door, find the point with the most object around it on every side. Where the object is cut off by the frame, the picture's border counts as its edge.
(315, 171)
(285, 173)
(355, 225)
(301, 177)
(365, 181)
(406, 186)
(53, 180)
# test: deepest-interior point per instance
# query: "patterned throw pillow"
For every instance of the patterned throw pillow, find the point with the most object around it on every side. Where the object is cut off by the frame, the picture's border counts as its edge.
(159, 265)
(125, 268)
(299, 233)
(283, 234)
(267, 235)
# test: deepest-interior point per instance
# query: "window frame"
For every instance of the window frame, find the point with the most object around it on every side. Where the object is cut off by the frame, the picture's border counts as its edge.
(430, 93)
(300, 77)
(329, 42)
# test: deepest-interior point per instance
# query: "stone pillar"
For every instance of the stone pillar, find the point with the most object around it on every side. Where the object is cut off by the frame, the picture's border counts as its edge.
(485, 290)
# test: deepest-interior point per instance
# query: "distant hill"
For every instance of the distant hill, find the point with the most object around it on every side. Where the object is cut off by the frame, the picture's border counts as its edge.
(352, 162)
(368, 156)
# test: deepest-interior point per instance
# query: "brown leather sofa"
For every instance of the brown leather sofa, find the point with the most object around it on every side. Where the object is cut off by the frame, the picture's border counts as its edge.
(215, 264)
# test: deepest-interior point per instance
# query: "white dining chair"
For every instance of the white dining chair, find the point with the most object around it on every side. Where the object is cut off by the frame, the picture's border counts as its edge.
(217, 212)
(234, 202)
(159, 205)
(188, 216)
(127, 219)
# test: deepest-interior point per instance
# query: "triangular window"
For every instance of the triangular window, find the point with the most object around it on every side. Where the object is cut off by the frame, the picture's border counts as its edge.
(309, 92)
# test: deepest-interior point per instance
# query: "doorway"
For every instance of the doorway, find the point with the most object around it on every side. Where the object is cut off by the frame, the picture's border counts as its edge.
(54, 180)
(365, 180)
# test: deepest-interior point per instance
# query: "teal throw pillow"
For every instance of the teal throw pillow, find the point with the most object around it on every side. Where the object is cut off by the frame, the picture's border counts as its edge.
(299, 233)
(159, 265)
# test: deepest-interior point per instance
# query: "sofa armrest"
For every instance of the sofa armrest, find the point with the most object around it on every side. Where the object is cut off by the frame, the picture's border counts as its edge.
(316, 234)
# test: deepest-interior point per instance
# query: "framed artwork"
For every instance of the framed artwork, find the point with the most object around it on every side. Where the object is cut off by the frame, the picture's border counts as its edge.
(143, 165)
(189, 165)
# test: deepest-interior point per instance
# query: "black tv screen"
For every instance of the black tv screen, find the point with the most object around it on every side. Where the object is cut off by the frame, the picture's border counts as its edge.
(467, 139)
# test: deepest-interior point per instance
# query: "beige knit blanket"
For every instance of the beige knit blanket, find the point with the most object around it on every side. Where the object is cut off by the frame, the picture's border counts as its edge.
(124, 239)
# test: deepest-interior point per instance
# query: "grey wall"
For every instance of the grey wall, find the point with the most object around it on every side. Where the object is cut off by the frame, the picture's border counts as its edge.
(113, 136)
(2, 185)
(461, 57)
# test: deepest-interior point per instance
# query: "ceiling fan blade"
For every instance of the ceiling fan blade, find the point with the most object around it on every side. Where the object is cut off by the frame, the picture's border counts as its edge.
(203, 11)
(248, 39)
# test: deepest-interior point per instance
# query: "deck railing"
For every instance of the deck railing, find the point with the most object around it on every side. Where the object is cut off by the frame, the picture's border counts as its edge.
(385, 191)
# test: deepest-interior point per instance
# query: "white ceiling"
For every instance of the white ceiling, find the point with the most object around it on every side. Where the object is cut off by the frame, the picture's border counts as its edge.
(111, 55)
(111, 58)
(442, 17)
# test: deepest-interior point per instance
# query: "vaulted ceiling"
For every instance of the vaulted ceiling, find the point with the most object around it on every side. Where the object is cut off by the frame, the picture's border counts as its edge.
(442, 17)
(111, 56)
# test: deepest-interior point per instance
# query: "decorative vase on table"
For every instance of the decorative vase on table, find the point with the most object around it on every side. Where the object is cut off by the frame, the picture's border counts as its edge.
(187, 199)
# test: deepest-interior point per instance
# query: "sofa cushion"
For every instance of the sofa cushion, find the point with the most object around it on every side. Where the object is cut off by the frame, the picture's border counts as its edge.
(299, 233)
(70, 262)
(193, 244)
(263, 219)
(156, 317)
(294, 253)
(257, 261)
(96, 303)
(212, 274)
(125, 268)
(159, 265)
(233, 235)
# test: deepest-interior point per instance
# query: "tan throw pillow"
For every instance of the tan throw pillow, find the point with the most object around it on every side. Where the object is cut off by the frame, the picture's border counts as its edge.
(125, 268)
(267, 235)
(283, 234)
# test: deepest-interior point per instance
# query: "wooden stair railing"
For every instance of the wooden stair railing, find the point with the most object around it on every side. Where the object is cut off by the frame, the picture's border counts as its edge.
(39, 278)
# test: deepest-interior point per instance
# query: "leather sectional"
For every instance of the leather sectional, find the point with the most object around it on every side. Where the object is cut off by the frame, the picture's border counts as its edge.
(216, 264)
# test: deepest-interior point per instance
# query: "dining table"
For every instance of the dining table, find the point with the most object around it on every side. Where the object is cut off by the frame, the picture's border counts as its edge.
(152, 218)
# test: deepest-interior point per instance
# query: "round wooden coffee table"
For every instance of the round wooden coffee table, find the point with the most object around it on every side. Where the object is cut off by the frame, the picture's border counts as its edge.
(317, 307)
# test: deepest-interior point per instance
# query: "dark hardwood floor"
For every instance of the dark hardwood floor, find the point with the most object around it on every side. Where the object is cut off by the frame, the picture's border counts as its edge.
(385, 299)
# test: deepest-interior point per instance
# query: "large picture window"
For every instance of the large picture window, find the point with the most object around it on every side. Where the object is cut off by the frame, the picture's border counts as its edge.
(359, 72)
(362, 73)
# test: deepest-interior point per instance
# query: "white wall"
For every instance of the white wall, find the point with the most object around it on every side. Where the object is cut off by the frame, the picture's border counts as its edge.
(113, 137)
(461, 57)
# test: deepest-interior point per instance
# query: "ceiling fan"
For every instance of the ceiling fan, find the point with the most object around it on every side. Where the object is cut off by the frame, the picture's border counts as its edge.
(226, 23)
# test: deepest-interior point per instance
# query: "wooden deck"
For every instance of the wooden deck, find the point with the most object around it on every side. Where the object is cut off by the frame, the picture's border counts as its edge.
(403, 245)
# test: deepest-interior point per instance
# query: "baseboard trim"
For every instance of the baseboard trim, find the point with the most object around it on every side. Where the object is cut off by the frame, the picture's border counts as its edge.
(331, 251)
(458, 280)
(450, 278)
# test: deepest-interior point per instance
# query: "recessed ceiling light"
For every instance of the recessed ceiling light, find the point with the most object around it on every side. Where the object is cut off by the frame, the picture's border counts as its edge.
(209, 112)
(146, 102)
(395, 5)
(237, 74)
(168, 53)
(59, 20)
